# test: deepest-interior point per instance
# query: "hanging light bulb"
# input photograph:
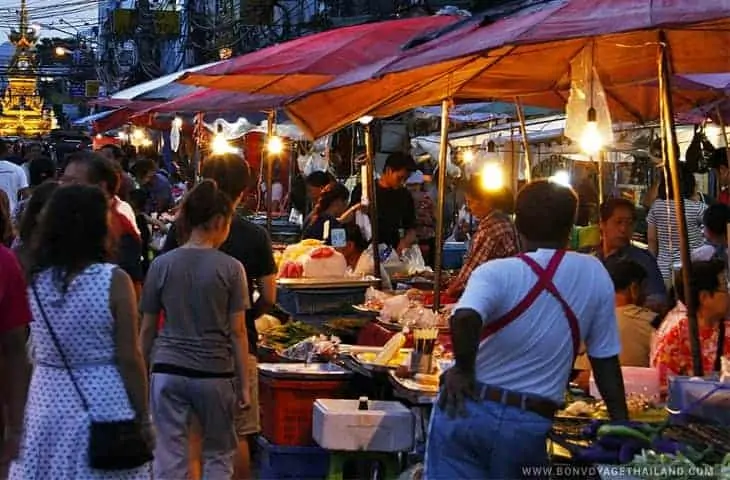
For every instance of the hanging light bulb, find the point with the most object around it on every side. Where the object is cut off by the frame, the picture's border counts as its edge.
(275, 145)
(138, 134)
(492, 176)
(468, 156)
(561, 177)
(591, 141)
(219, 145)
(366, 119)
(177, 122)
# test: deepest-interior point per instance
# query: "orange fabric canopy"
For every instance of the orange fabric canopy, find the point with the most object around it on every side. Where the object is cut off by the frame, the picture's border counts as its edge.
(528, 55)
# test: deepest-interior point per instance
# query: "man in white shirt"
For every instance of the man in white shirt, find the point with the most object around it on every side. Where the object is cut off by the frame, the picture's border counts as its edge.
(12, 177)
(516, 331)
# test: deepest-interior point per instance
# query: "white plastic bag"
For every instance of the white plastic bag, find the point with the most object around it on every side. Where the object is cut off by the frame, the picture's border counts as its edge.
(394, 308)
(584, 83)
(362, 220)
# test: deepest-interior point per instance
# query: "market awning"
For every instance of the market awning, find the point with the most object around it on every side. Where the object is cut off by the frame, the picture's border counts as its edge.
(313, 60)
(528, 54)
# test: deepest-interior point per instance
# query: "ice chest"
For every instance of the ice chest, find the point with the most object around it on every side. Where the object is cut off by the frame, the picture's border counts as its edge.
(383, 427)
(453, 255)
(703, 398)
(637, 380)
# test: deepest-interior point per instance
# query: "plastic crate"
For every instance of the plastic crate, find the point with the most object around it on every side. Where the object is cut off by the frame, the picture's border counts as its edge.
(286, 407)
(313, 302)
(705, 399)
(453, 255)
(302, 463)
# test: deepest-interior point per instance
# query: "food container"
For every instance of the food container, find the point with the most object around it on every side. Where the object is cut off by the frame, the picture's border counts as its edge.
(383, 427)
(302, 296)
(286, 395)
(637, 380)
(287, 462)
(453, 255)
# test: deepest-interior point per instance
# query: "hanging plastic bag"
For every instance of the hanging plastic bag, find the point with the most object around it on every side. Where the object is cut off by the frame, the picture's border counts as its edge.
(362, 220)
(586, 91)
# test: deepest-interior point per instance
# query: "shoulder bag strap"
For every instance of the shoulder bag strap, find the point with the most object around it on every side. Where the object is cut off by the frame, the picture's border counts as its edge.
(57, 343)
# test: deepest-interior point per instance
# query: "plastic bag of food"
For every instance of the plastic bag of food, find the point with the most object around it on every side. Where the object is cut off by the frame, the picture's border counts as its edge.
(394, 308)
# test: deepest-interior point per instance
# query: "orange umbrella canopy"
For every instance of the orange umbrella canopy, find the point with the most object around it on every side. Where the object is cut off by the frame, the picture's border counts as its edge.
(527, 54)
(313, 60)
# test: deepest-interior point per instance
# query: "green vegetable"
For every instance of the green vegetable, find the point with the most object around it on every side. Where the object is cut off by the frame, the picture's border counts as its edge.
(622, 431)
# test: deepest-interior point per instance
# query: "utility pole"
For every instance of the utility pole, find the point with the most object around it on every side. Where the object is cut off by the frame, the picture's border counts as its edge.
(148, 67)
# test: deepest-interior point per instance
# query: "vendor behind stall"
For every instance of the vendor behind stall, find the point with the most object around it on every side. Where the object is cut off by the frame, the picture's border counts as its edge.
(495, 237)
(396, 210)
(618, 217)
(359, 255)
(516, 331)
(325, 217)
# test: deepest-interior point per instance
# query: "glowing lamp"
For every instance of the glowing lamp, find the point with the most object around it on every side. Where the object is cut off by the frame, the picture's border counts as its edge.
(366, 119)
(60, 51)
(275, 146)
(492, 177)
(561, 177)
(468, 156)
(137, 134)
(591, 141)
(220, 145)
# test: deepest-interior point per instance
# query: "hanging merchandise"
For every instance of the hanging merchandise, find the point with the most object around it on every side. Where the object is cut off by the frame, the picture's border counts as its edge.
(175, 132)
(315, 160)
(699, 152)
(230, 131)
(588, 120)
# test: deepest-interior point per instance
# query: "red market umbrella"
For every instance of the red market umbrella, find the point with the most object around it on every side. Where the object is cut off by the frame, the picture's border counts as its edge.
(313, 60)
(527, 54)
(219, 101)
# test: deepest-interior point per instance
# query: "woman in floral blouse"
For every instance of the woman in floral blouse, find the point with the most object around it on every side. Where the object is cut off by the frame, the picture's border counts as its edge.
(672, 354)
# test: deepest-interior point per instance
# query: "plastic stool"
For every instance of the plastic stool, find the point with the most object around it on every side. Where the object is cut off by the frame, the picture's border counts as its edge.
(390, 464)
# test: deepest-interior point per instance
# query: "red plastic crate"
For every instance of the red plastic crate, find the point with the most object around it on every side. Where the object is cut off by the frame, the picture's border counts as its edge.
(286, 407)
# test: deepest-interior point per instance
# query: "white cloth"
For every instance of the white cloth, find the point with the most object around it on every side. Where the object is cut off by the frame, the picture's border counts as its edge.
(126, 209)
(12, 180)
(534, 353)
(56, 439)
(366, 266)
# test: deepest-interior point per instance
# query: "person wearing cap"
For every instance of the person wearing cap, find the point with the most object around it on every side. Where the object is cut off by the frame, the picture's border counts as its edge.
(425, 221)
(496, 236)
(396, 210)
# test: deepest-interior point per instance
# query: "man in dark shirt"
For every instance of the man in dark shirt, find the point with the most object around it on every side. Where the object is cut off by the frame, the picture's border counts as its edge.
(396, 210)
(618, 217)
(249, 244)
(90, 168)
(155, 184)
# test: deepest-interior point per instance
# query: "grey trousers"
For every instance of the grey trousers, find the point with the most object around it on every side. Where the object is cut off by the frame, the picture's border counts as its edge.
(174, 399)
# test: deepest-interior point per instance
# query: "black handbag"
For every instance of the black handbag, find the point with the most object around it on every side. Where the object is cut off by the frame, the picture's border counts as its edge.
(118, 445)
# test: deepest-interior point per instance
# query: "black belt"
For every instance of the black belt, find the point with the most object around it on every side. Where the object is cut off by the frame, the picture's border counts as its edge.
(541, 406)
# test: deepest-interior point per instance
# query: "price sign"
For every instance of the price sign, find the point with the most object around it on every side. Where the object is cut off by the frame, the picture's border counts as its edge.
(339, 238)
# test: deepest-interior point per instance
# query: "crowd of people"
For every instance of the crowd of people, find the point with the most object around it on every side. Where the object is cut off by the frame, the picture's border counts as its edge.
(93, 328)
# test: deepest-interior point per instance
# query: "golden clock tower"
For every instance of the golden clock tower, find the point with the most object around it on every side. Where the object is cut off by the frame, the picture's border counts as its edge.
(22, 107)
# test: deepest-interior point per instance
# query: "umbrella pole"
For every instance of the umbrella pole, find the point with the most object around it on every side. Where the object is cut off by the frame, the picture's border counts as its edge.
(601, 193)
(670, 140)
(525, 140)
(372, 200)
(269, 167)
(438, 254)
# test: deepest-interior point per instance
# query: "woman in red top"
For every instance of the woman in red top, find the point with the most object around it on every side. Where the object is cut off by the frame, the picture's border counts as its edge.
(672, 354)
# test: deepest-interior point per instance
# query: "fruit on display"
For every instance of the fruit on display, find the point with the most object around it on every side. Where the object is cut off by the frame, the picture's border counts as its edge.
(291, 269)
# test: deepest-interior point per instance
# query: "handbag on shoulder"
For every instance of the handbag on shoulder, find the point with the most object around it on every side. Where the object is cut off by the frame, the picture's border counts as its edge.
(118, 445)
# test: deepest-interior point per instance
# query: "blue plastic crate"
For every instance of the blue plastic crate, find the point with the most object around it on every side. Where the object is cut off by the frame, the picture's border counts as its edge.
(284, 462)
(706, 399)
(453, 255)
(314, 302)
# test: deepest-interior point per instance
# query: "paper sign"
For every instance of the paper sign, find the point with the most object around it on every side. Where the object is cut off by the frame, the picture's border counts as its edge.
(338, 238)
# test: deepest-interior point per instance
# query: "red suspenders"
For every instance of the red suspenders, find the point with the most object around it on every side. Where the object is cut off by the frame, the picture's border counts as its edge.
(544, 283)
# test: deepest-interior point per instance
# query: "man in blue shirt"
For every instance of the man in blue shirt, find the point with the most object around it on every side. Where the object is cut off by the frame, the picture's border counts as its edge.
(618, 217)
(516, 331)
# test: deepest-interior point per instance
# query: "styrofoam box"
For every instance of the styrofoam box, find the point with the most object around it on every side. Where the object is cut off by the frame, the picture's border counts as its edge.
(638, 380)
(384, 427)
